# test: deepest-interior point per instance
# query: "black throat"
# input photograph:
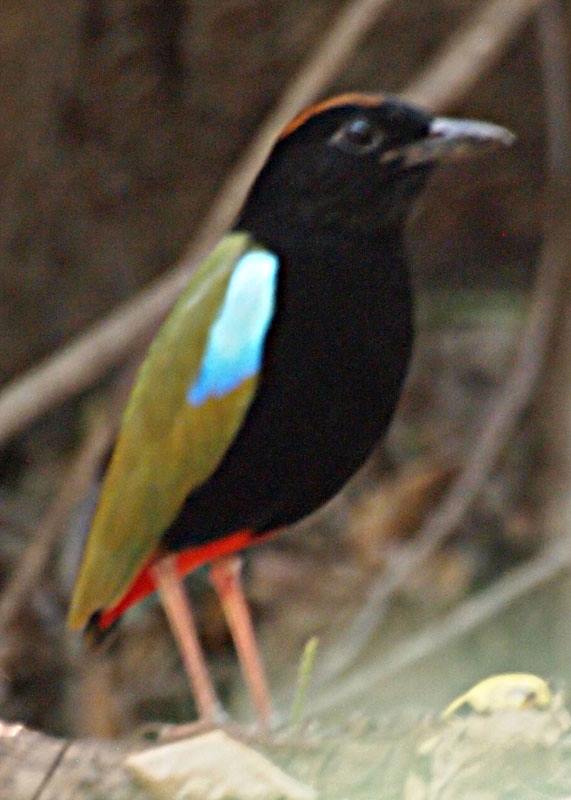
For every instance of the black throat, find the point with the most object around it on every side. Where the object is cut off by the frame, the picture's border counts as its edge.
(343, 289)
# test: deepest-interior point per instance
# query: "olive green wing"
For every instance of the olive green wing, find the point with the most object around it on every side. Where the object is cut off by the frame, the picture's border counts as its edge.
(189, 400)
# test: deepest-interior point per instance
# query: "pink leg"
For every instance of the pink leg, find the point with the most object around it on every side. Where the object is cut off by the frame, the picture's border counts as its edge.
(179, 614)
(225, 577)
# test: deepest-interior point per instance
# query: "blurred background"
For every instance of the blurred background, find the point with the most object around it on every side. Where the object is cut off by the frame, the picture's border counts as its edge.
(121, 122)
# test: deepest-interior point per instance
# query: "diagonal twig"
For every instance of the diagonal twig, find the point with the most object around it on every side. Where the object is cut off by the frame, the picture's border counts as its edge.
(79, 476)
(462, 620)
(496, 428)
(470, 52)
(73, 489)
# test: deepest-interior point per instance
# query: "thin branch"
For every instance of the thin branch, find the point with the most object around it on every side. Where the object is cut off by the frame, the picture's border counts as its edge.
(77, 366)
(555, 68)
(470, 52)
(79, 477)
(516, 393)
(72, 491)
(464, 619)
(552, 413)
(353, 22)
(496, 428)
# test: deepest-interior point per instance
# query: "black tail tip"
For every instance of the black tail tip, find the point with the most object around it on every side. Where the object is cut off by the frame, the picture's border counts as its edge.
(96, 637)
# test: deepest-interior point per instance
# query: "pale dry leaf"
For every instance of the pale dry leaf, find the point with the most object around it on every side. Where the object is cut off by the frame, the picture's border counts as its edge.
(213, 767)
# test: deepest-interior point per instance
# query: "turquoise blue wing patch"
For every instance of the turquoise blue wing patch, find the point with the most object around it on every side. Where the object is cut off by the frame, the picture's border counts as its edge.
(235, 344)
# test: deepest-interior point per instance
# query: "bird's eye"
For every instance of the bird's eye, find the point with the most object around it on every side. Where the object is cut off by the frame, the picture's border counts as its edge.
(358, 136)
(359, 132)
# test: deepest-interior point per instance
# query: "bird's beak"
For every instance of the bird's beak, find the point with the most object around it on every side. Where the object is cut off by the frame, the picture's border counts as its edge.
(450, 139)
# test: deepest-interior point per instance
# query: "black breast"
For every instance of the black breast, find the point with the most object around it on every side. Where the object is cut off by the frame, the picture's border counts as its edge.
(335, 360)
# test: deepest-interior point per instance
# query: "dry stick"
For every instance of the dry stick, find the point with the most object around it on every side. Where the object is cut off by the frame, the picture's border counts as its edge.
(74, 486)
(470, 52)
(81, 363)
(464, 619)
(556, 75)
(552, 412)
(497, 427)
(73, 489)
(516, 393)
(351, 24)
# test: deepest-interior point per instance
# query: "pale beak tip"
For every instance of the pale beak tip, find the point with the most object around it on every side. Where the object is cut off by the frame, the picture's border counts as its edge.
(471, 131)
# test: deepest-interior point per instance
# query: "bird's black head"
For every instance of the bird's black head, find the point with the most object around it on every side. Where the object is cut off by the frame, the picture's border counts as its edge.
(357, 161)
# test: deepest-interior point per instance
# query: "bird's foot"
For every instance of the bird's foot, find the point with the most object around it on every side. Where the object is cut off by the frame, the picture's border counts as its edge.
(162, 733)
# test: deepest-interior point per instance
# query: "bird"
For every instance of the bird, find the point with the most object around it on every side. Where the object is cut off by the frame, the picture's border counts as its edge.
(275, 375)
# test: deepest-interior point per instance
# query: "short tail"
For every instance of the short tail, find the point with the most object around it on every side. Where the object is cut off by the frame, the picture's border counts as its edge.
(187, 561)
